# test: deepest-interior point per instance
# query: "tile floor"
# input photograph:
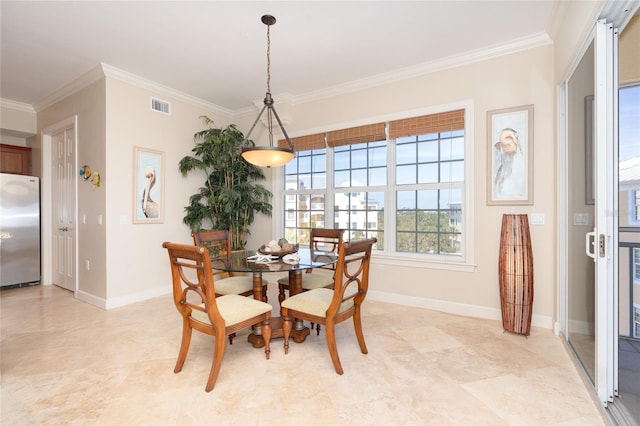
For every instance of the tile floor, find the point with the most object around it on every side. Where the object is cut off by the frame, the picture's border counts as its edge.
(66, 362)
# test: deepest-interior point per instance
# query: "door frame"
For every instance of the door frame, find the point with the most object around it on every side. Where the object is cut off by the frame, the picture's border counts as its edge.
(606, 185)
(613, 18)
(47, 199)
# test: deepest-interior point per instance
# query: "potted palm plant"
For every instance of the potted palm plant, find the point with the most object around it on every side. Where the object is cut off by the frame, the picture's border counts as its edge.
(230, 196)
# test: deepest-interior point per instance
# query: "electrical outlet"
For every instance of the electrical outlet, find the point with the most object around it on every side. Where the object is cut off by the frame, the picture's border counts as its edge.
(87, 265)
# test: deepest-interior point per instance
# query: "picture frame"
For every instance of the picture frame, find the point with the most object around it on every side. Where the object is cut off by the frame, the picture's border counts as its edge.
(148, 186)
(510, 156)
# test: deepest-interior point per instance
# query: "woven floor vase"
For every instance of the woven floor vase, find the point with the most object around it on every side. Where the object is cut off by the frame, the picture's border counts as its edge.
(515, 270)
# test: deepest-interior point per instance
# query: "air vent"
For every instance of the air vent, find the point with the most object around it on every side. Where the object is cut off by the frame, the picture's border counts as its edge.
(160, 106)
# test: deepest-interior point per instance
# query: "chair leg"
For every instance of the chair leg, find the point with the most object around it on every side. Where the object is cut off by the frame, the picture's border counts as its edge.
(218, 353)
(266, 335)
(286, 329)
(357, 324)
(184, 345)
(329, 330)
(231, 336)
(264, 294)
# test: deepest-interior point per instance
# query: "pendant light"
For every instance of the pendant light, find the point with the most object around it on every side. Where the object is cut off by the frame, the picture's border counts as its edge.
(269, 156)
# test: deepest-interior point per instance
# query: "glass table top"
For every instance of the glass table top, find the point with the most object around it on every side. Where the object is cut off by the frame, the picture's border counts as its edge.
(241, 261)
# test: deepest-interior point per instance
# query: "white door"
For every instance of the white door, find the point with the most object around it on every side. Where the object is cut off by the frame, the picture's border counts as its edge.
(590, 212)
(605, 237)
(63, 151)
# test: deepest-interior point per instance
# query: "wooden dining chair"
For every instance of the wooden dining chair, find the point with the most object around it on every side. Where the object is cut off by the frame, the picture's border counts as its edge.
(332, 306)
(218, 242)
(194, 297)
(323, 240)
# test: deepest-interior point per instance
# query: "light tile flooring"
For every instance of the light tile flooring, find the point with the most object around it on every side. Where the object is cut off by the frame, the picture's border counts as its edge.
(67, 362)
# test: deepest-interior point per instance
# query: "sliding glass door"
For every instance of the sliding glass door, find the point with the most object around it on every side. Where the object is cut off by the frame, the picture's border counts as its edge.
(600, 211)
(590, 155)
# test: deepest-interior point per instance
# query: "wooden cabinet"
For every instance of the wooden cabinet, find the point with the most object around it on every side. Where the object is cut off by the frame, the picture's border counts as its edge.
(15, 159)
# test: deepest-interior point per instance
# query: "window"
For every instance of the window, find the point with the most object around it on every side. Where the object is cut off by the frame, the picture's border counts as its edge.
(635, 206)
(401, 181)
(636, 265)
(428, 217)
(305, 185)
(636, 321)
(629, 149)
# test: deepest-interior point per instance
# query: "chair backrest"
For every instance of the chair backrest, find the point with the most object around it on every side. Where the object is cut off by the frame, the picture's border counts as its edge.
(217, 242)
(193, 283)
(351, 279)
(324, 239)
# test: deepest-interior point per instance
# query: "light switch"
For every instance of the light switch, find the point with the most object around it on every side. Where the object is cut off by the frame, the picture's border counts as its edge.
(581, 219)
(536, 218)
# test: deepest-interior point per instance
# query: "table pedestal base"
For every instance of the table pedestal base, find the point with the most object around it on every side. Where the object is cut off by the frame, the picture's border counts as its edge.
(298, 336)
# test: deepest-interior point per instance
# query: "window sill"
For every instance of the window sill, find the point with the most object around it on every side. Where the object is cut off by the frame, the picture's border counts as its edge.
(423, 263)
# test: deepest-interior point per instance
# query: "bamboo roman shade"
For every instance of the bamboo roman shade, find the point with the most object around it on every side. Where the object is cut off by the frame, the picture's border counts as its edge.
(353, 135)
(434, 123)
(305, 143)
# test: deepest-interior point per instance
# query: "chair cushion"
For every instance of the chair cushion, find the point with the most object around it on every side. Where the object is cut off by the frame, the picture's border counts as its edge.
(314, 302)
(311, 281)
(234, 285)
(234, 309)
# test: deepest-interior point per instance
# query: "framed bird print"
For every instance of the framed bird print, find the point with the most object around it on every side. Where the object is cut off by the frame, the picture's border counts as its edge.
(148, 203)
(510, 156)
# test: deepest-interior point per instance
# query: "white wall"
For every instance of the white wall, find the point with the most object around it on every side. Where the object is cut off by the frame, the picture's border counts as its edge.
(512, 80)
(137, 266)
(89, 106)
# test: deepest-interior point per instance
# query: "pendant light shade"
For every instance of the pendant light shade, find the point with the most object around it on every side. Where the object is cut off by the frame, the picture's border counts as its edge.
(269, 156)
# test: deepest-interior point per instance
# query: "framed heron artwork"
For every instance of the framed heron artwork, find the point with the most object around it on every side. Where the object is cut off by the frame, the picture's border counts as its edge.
(148, 203)
(510, 158)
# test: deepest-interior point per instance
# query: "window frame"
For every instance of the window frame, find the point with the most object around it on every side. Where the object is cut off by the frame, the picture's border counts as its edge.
(387, 256)
(634, 208)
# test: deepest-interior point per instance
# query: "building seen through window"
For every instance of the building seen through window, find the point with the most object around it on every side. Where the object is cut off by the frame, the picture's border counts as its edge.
(408, 192)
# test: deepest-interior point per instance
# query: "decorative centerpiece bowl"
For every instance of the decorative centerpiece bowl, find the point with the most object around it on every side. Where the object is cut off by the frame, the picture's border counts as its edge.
(285, 249)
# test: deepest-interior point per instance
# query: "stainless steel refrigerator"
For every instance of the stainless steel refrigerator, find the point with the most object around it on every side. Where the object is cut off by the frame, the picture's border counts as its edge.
(19, 230)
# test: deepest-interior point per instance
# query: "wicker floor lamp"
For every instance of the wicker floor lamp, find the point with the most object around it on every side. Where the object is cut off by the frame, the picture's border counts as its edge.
(515, 269)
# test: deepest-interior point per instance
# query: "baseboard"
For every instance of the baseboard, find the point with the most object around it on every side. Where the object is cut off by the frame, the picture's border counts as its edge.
(117, 302)
(542, 321)
(91, 299)
(582, 327)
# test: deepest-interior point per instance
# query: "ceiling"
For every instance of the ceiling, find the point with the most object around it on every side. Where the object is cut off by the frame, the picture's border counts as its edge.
(216, 50)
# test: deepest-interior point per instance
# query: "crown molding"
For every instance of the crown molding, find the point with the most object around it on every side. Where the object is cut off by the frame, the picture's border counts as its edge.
(79, 83)
(152, 86)
(18, 106)
(105, 70)
(474, 56)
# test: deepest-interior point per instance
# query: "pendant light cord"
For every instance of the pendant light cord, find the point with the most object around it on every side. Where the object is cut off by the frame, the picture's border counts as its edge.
(268, 58)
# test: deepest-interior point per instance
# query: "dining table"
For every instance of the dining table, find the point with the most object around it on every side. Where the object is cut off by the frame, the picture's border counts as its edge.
(258, 263)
